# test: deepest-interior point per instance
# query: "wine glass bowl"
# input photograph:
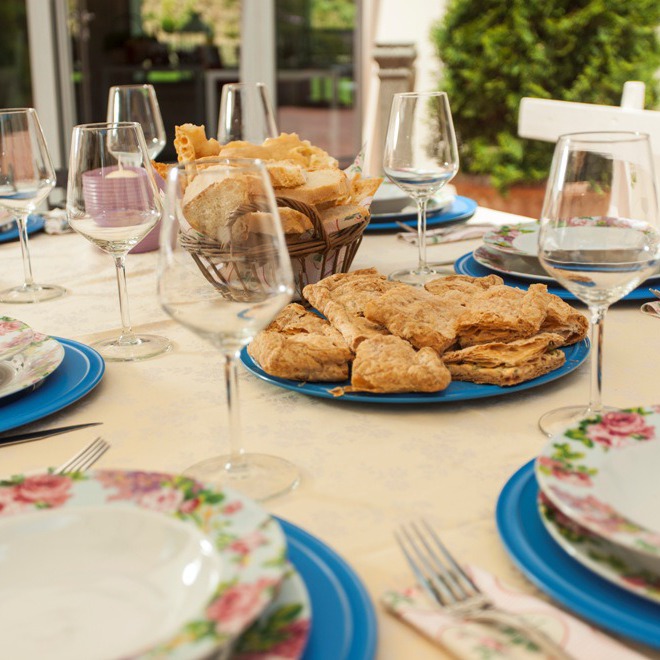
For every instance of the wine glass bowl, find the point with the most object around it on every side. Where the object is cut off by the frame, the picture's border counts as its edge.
(27, 177)
(599, 235)
(139, 103)
(113, 201)
(225, 273)
(246, 114)
(421, 157)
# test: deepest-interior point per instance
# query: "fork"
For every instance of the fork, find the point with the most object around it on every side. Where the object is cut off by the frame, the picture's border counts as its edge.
(451, 588)
(85, 458)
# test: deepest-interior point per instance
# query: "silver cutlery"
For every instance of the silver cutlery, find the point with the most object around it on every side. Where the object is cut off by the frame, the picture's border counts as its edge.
(85, 458)
(655, 292)
(20, 438)
(450, 588)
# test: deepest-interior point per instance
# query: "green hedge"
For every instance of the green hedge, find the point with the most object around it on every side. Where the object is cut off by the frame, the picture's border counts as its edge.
(495, 52)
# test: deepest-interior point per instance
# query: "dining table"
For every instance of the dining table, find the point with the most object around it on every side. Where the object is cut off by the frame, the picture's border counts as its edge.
(366, 467)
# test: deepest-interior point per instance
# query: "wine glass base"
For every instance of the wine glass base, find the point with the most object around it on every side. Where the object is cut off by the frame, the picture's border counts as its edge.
(555, 422)
(258, 476)
(33, 293)
(139, 347)
(415, 277)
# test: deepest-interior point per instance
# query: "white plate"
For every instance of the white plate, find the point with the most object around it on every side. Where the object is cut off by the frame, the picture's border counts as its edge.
(604, 475)
(626, 569)
(15, 336)
(117, 564)
(31, 367)
(444, 199)
(520, 239)
(526, 268)
(389, 198)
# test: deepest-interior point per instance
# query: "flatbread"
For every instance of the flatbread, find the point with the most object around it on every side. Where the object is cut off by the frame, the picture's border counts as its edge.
(390, 364)
(300, 345)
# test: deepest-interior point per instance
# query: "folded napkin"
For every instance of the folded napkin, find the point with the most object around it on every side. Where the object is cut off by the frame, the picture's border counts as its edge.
(447, 234)
(471, 640)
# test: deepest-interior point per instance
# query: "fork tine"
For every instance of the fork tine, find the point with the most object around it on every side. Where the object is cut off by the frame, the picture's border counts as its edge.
(86, 457)
(458, 573)
(428, 578)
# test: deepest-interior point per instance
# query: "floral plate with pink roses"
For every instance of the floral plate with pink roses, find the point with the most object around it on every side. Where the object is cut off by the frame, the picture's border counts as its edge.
(603, 475)
(113, 564)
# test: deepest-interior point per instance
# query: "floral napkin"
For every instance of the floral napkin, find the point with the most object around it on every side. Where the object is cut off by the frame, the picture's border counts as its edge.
(472, 641)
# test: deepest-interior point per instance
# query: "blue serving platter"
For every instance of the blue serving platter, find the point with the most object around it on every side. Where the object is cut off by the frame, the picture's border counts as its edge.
(457, 390)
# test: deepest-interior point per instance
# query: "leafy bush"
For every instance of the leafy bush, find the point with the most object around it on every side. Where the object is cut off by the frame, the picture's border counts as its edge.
(495, 52)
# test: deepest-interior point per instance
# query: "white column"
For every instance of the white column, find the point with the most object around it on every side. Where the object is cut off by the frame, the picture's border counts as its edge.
(51, 71)
(258, 55)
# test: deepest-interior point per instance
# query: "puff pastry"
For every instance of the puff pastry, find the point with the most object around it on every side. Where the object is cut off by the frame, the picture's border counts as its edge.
(501, 363)
(390, 364)
(300, 345)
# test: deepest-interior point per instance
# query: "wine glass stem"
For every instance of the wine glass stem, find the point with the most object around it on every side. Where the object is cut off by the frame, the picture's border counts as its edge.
(21, 221)
(596, 387)
(127, 335)
(236, 451)
(421, 231)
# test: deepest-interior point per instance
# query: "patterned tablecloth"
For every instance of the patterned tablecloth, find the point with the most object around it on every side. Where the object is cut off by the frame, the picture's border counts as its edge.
(365, 468)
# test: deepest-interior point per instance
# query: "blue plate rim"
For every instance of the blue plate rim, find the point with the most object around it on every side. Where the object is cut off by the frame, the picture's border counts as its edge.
(28, 406)
(35, 223)
(466, 209)
(468, 265)
(363, 623)
(576, 354)
(554, 572)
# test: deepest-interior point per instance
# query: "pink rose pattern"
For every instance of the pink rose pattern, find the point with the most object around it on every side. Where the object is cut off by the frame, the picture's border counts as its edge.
(612, 431)
(234, 605)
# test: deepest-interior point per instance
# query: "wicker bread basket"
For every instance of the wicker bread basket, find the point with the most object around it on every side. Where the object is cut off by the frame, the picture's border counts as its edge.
(313, 257)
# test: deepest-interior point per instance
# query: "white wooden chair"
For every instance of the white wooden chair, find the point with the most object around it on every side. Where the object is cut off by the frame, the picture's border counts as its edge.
(546, 119)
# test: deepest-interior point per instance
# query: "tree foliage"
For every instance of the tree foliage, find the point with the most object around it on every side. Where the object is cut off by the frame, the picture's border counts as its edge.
(495, 52)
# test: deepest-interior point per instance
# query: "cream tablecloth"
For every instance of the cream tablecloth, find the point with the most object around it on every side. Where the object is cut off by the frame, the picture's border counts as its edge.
(366, 468)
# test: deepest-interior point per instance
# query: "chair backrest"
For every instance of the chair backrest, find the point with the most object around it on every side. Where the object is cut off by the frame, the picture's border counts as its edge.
(546, 119)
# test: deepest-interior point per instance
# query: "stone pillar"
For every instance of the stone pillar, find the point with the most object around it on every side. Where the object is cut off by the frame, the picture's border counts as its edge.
(396, 74)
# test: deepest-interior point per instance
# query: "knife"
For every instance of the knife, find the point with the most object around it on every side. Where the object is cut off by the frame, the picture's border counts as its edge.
(20, 438)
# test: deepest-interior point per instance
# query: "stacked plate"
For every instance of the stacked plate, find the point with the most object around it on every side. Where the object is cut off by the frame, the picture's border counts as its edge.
(591, 532)
(117, 564)
(40, 375)
(511, 252)
(391, 208)
(9, 228)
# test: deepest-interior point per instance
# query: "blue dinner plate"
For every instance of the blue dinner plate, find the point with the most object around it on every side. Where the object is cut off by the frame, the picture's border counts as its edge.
(457, 390)
(468, 265)
(35, 223)
(343, 618)
(462, 208)
(556, 573)
(80, 372)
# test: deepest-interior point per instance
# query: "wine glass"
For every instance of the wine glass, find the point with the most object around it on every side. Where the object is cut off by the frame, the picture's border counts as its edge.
(246, 114)
(599, 235)
(113, 201)
(420, 157)
(225, 273)
(26, 179)
(139, 103)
